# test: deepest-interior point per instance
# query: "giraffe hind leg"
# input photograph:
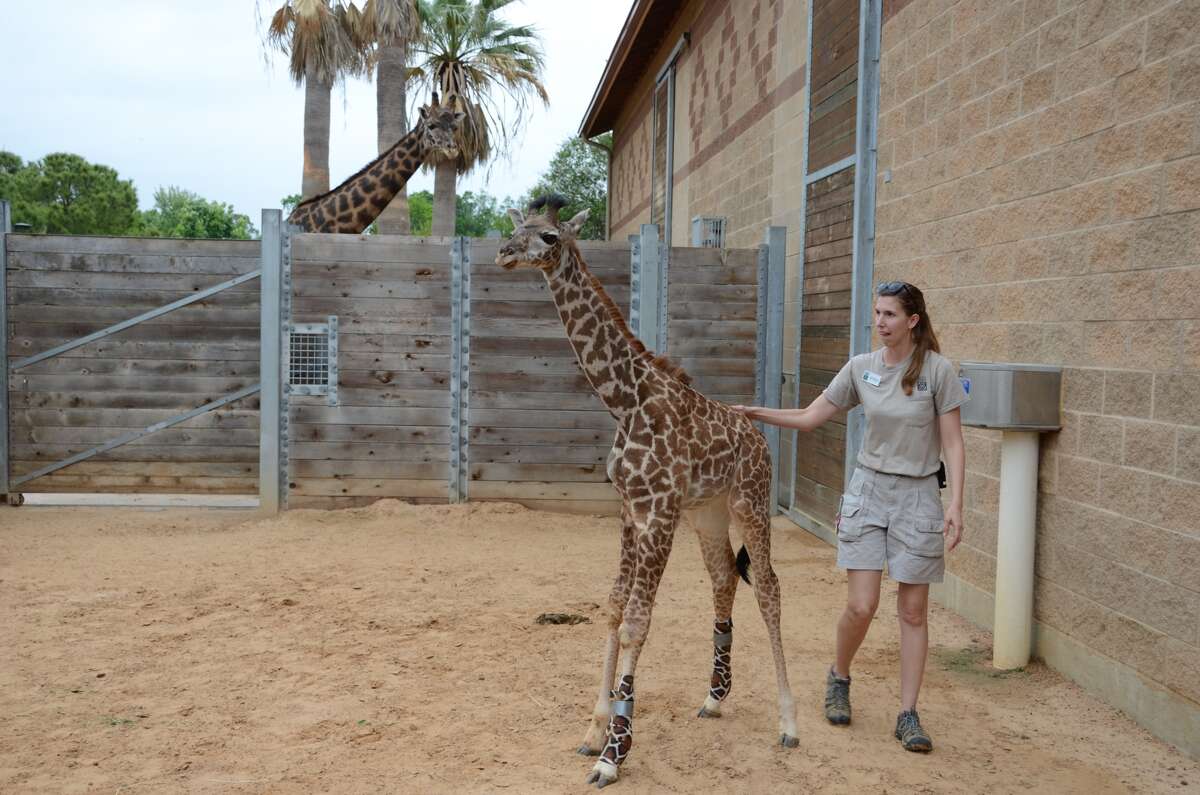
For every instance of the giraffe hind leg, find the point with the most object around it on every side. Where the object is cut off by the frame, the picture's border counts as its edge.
(711, 523)
(749, 503)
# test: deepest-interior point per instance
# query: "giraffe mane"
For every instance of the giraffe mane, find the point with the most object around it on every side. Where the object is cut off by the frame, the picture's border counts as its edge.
(659, 362)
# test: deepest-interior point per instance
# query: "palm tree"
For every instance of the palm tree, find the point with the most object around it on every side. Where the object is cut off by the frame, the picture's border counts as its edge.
(466, 51)
(313, 34)
(384, 30)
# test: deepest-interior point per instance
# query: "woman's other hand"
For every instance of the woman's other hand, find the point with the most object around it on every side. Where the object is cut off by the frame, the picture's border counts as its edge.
(952, 526)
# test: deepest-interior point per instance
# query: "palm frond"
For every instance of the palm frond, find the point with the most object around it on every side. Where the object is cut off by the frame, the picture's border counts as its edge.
(314, 36)
(493, 67)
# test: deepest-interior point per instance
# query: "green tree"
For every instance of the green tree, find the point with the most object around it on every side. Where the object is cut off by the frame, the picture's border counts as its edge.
(65, 194)
(288, 203)
(420, 208)
(317, 39)
(15, 187)
(479, 213)
(468, 52)
(181, 213)
(579, 171)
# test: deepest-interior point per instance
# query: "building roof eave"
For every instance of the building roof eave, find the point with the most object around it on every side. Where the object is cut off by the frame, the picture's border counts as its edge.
(645, 26)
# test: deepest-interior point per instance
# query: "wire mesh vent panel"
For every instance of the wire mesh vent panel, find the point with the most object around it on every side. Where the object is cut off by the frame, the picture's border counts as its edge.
(309, 360)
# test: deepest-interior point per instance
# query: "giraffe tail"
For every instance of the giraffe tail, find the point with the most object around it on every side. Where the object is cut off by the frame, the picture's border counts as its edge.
(743, 564)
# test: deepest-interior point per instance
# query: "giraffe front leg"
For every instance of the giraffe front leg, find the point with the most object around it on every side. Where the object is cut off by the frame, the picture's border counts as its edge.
(653, 547)
(722, 675)
(593, 741)
(620, 736)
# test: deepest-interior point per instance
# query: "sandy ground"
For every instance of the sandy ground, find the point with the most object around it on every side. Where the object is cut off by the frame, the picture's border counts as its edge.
(394, 648)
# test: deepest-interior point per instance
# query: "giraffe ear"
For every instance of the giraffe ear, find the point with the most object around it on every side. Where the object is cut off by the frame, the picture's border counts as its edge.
(576, 223)
(517, 217)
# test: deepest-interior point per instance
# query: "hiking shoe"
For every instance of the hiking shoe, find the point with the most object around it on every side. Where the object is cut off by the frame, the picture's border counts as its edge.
(910, 734)
(837, 699)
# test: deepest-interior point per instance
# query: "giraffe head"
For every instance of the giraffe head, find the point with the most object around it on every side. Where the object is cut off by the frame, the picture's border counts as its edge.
(438, 125)
(538, 238)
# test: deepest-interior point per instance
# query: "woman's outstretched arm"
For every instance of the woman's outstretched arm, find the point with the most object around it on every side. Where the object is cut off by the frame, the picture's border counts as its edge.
(805, 419)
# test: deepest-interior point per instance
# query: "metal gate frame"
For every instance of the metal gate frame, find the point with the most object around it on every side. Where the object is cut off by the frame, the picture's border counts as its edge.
(273, 329)
(864, 159)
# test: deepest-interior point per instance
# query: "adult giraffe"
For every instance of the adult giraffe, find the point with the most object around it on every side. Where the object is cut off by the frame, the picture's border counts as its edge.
(676, 452)
(352, 206)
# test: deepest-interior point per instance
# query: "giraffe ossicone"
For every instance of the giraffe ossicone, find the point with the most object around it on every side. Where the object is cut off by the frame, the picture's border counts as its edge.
(677, 456)
(353, 205)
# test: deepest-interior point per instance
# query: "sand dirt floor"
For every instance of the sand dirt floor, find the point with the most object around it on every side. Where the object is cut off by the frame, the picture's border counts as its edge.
(394, 649)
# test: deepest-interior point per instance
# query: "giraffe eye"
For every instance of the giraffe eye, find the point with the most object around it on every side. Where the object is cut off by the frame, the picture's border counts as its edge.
(549, 238)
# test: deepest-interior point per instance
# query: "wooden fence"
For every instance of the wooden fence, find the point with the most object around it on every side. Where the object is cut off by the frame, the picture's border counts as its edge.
(454, 378)
(61, 288)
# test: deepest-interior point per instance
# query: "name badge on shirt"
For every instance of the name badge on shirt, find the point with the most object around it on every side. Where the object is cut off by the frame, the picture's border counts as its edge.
(872, 378)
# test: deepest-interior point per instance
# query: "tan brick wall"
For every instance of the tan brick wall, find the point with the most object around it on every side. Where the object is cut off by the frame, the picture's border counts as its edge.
(1044, 164)
(739, 85)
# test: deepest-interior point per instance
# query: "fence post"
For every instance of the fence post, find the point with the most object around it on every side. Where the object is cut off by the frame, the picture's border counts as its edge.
(863, 254)
(635, 285)
(460, 368)
(5, 229)
(270, 365)
(776, 240)
(650, 300)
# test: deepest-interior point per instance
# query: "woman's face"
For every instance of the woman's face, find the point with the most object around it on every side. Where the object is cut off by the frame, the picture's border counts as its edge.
(891, 322)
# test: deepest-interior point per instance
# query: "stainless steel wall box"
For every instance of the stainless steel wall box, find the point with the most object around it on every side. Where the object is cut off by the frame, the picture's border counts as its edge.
(1012, 397)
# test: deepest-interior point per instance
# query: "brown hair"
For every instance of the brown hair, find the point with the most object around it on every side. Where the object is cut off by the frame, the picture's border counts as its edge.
(913, 302)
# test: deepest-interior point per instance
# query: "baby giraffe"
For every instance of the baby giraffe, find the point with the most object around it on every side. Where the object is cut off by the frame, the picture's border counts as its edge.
(676, 454)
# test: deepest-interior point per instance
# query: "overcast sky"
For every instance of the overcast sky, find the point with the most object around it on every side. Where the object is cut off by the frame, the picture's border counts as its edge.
(178, 93)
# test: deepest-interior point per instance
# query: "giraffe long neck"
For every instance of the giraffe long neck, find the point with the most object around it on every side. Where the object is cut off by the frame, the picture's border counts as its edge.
(612, 362)
(352, 206)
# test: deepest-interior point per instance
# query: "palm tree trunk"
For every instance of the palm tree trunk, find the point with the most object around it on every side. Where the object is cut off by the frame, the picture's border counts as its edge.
(392, 125)
(445, 187)
(315, 178)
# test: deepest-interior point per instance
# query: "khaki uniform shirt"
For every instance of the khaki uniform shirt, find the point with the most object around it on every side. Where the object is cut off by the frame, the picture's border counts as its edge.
(902, 436)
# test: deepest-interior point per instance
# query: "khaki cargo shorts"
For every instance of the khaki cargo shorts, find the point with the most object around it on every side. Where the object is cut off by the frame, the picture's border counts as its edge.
(893, 519)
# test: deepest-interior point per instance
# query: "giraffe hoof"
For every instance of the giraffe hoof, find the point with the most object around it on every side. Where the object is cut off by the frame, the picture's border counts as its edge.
(587, 750)
(603, 774)
(788, 741)
(705, 712)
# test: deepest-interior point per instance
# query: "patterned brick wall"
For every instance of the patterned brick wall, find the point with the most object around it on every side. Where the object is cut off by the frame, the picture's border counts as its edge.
(728, 86)
(1040, 179)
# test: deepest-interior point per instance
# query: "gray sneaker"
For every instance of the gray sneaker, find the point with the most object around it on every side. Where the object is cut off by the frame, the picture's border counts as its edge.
(910, 734)
(837, 699)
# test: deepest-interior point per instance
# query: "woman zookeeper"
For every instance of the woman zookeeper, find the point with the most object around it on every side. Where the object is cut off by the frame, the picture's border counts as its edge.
(892, 511)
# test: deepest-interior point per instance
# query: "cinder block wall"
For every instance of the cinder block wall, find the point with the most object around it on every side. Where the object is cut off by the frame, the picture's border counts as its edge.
(1039, 178)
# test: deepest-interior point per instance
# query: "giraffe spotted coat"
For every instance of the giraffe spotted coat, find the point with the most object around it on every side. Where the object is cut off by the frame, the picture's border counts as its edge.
(352, 206)
(677, 456)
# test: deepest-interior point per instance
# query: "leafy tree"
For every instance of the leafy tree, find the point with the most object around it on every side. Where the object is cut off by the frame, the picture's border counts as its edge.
(420, 208)
(579, 171)
(467, 51)
(16, 187)
(317, 39)
(65, 194)
(288, 203)
(479, 213)
(181, 213)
